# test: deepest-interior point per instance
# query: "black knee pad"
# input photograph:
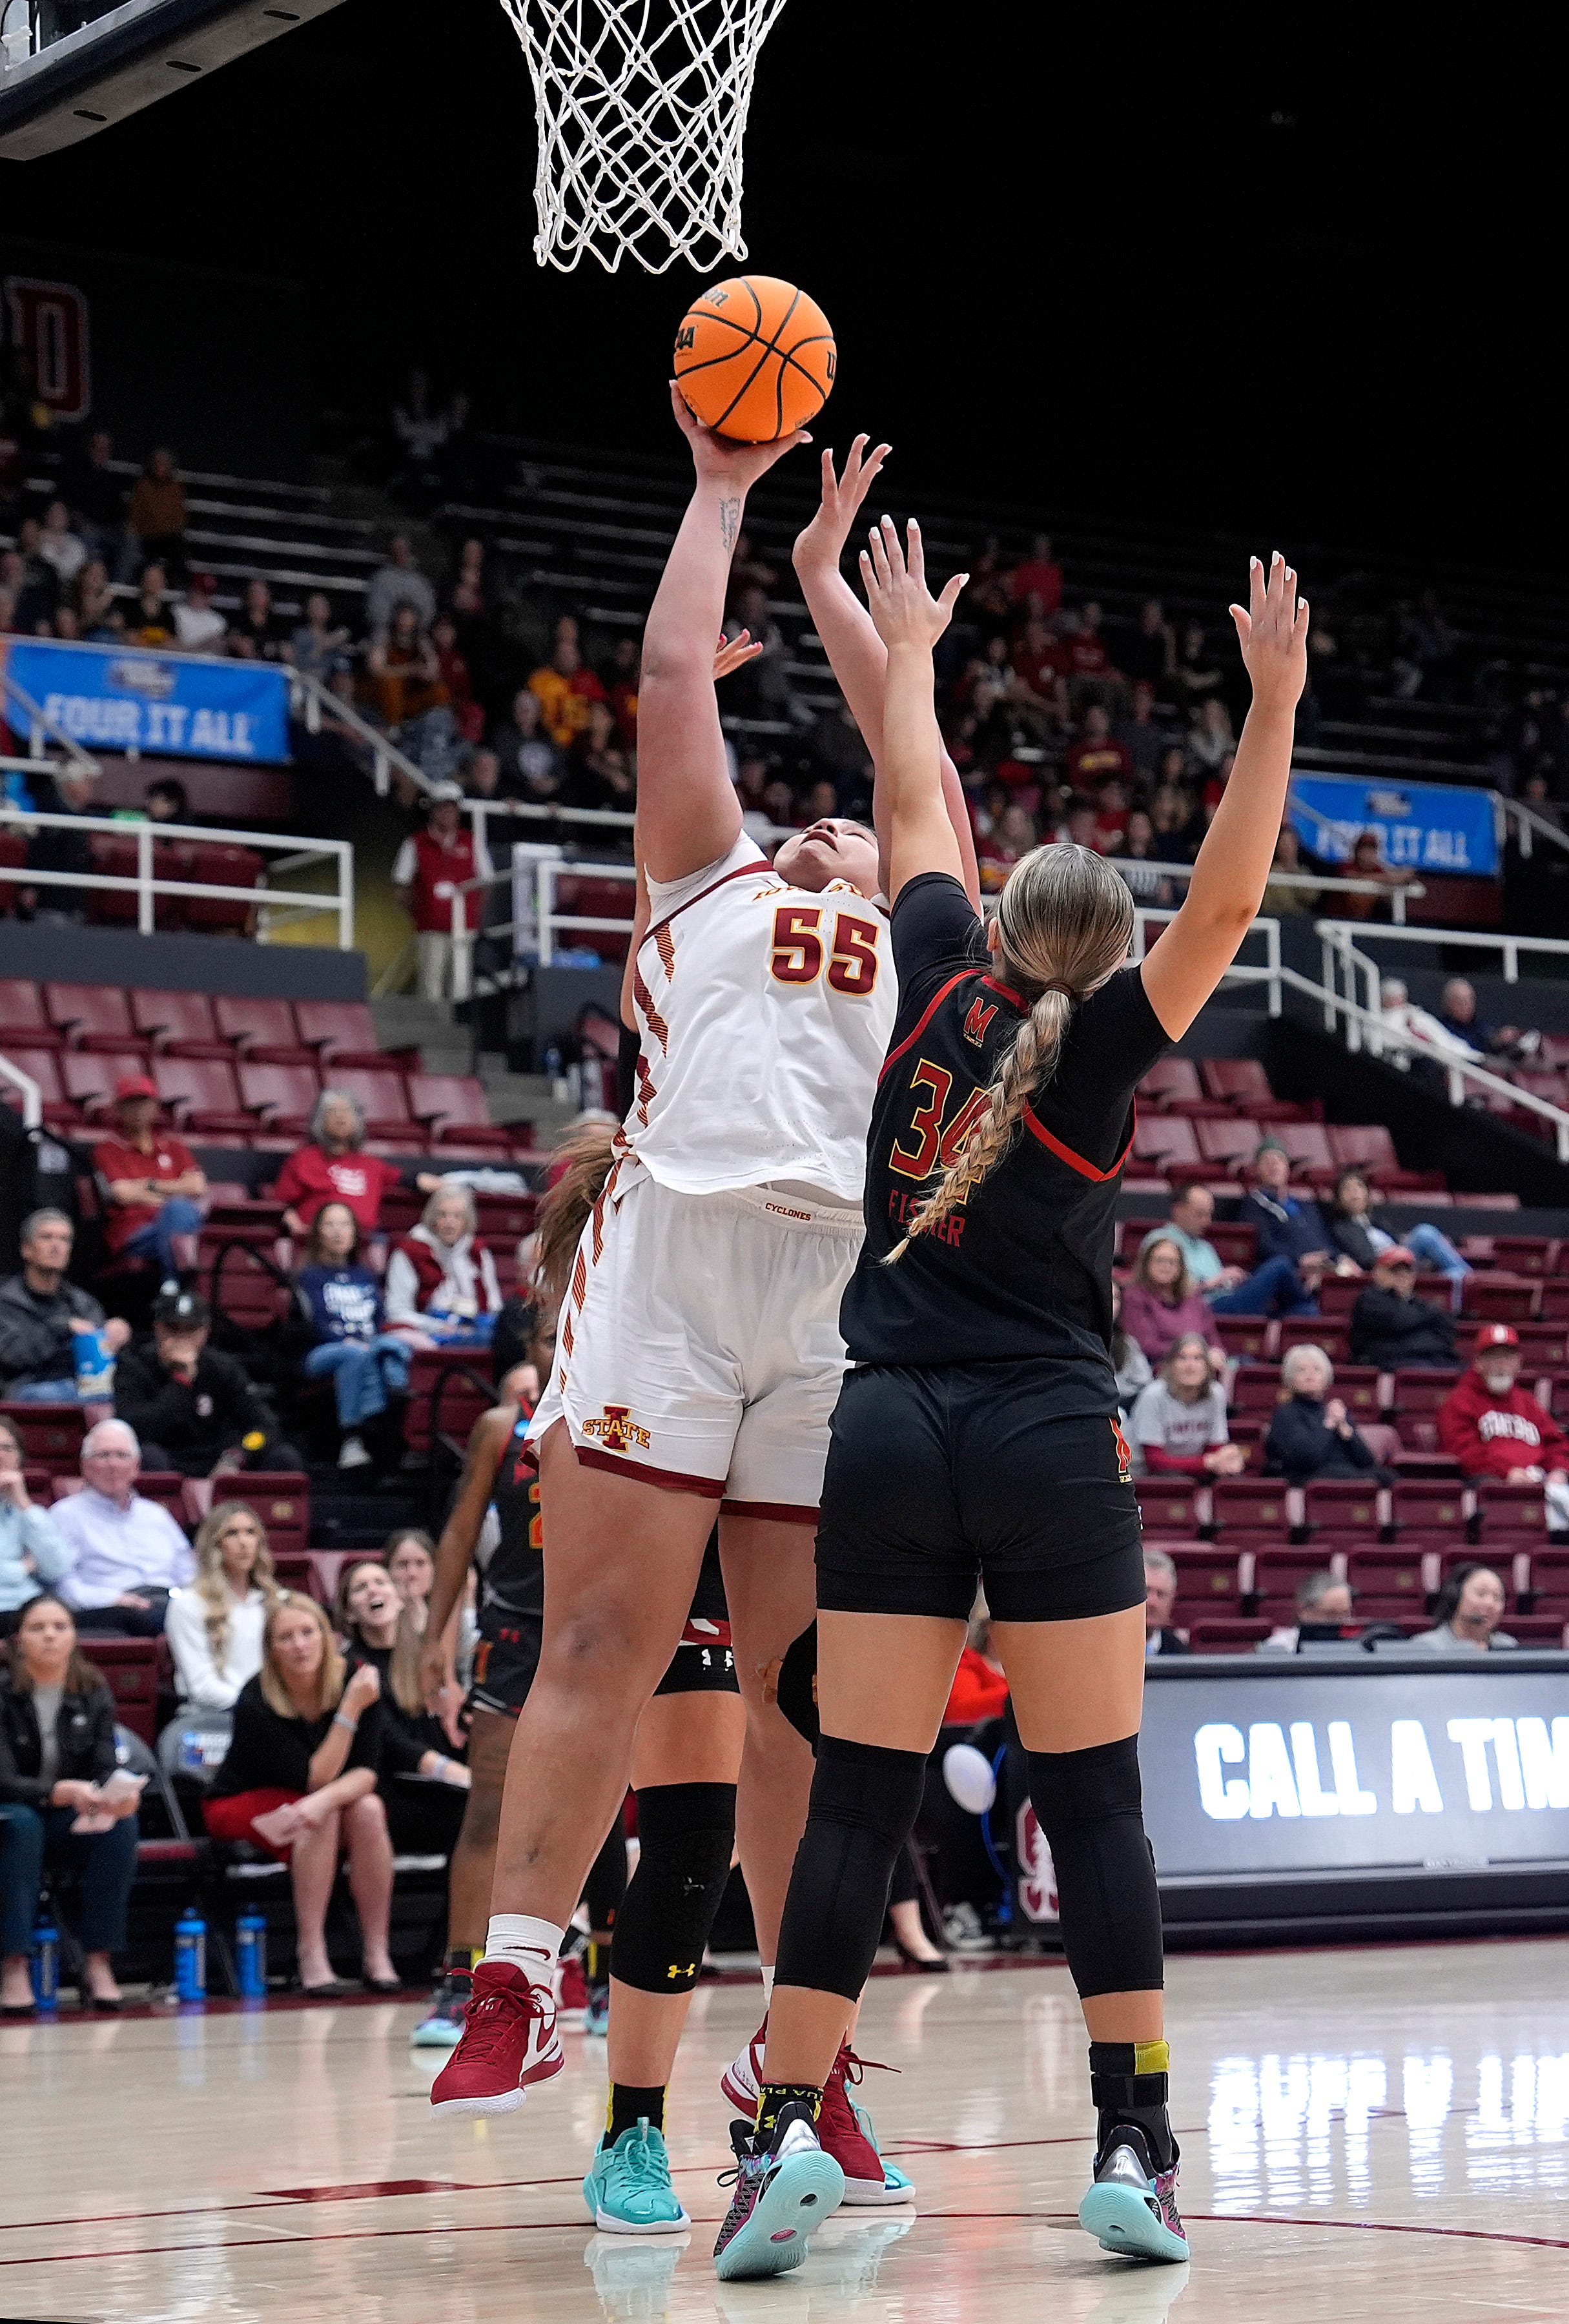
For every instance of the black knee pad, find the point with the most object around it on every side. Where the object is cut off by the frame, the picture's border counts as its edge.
(1091, 1808)
(685, 1837)
(864, 1803)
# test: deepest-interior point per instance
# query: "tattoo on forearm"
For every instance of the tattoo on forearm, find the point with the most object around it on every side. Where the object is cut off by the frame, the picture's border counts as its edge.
(729, 522)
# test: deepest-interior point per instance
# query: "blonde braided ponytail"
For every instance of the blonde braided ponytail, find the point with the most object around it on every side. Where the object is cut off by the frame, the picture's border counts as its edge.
(1065, 922)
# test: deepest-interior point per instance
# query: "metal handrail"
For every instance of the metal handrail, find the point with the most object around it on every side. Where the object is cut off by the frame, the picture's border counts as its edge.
(31, 1095)
(386, 754)
(1532, 824)
(1270, 973)
(1460, 1071)
(1318, 882)
(1337, 945)
(147, 889)
(40, 727)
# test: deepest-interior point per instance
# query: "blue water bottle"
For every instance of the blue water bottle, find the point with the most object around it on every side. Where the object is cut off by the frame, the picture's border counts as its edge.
(44, 1964)
(190, 1956)
(251, 1955)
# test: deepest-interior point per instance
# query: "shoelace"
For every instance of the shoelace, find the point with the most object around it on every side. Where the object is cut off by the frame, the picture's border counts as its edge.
(638, 2159)
(487, 2024)
(856, 2067)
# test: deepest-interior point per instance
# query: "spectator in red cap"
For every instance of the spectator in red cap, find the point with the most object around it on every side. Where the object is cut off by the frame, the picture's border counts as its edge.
(1495, 1429)
(152, 1180)
(1393, 1329)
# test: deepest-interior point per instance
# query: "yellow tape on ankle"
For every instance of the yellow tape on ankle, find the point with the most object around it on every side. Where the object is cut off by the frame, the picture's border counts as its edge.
(1151, 2058)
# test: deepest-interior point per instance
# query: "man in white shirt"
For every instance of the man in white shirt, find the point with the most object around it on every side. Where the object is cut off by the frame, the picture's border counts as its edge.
(127, 1554)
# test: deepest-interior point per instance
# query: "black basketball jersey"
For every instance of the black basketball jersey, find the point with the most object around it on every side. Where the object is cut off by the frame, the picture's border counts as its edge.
(1023, 1268)
(515, 1577)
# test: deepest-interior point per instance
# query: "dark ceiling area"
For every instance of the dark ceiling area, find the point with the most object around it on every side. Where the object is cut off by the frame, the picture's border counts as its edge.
(1282, 280)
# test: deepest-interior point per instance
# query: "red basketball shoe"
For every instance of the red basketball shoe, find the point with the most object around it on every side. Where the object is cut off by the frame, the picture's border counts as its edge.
(509, 2041)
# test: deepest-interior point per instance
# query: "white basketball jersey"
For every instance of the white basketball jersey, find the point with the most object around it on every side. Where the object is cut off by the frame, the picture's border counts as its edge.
(765, 1013)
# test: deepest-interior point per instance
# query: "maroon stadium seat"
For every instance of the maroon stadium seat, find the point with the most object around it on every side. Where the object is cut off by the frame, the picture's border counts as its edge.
(1168, 1505)
(1256, 1387)
(42, 1066)
(242, 1287)
(179, 1025)
(447, 1395)
(1281, 1567)
(1229, 1142)
(1172, 1081)
(1234, 1635)
(1506, 1508)
(454, 1105)
(1427, 1505)
(280, 1499)
(1167, 1143)
(22, 1014)
(1314, 1331)
(1550, 1630)
(1397, 1574)
(1206, 1572)
(345, 1031)
(263, 1030)
(284, 1095)
(1257, 1502)
(1344, 1506)
(505, 1218)
(93, 1017)
(131, 1668)
(1497, 1299)
(88, 1077)
(49, 1434)
(116, 858)
(201, 1096)
(382, 1098)
(1525, 1254)
(1422, 1391)
(13, 858)
(1544, 1347)
(208, 863)
(1306, 1143)
(1248, 1337)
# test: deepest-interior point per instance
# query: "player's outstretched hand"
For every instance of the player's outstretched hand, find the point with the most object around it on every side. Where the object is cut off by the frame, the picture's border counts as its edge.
(902, 607)
(822, 543)
(719, 460)
(1273, 633)
(733, 653)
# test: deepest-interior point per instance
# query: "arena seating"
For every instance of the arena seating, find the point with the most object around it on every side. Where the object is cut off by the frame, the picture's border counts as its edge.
(239, 1072)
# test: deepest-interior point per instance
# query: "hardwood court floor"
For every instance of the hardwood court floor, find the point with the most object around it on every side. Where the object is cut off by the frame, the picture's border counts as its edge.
(1373, 2133)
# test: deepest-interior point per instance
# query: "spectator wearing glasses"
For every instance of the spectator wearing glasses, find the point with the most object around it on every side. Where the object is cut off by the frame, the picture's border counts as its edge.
(1161, 1304)
(1494, 1428)
(1323, 1605)
(43, 1316)
(127, 1552)
(1159, 1602)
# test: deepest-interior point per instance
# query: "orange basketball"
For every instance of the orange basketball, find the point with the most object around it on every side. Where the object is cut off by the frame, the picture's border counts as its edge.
(754, 358)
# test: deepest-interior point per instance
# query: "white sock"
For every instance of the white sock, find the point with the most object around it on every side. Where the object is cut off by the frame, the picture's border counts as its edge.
(527, 1943)
(767, 1990)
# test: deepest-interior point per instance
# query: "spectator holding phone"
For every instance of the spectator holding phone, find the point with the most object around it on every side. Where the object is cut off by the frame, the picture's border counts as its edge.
(63, 1802)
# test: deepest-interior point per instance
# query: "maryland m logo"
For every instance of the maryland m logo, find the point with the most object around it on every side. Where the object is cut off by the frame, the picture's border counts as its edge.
(616, 1429)
(981, 1015)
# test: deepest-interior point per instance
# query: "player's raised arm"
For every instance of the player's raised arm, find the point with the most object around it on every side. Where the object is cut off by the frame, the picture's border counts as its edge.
(688, 812)
(1194, 951)
(856, 654)
(909, 621)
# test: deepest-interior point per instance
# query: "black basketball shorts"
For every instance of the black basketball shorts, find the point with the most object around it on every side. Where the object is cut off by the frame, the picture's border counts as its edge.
(945, 1480)
(508, 1656)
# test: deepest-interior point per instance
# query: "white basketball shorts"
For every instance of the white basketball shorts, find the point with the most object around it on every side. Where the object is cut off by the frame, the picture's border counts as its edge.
(698, 1342)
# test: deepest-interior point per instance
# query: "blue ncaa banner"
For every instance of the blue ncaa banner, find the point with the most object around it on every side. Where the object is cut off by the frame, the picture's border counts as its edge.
(136, 698)
(1421, 826)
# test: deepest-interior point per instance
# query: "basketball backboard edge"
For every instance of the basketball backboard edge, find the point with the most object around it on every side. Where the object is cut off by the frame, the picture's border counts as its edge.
(127, 60)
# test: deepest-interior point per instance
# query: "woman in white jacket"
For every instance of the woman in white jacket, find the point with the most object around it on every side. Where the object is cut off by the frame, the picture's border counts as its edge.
(215, 1626)
(32, 1555)
(441, 1283)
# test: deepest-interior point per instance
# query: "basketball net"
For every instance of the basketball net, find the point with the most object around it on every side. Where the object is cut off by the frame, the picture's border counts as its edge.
(642, 109)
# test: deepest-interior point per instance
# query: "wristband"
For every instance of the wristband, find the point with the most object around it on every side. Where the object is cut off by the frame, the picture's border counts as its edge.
(351, 1725)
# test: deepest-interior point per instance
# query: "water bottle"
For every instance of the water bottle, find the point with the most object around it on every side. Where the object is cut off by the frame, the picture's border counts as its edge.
(190, 1956)
(95, 1367)
(44, 1964)
(250, 1954)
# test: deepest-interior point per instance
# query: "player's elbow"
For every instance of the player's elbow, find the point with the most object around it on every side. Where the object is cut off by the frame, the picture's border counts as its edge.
(673, 662)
